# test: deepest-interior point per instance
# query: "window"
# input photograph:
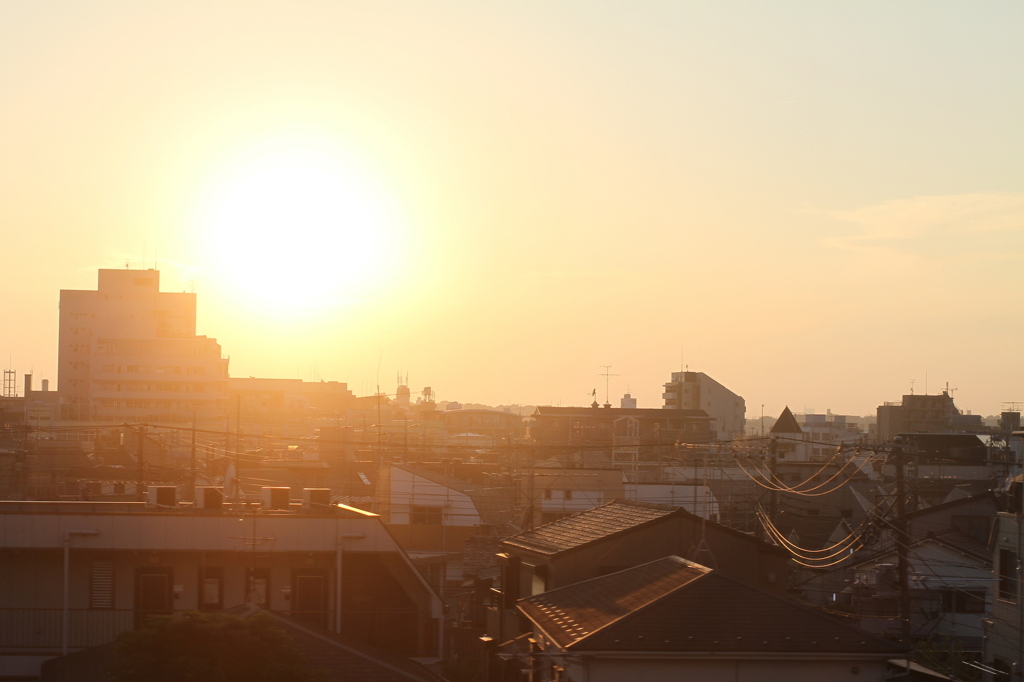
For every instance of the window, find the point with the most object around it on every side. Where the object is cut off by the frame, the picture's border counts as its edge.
(101, 584)
(421, 515)
(963, 601)
(211, 588)
(547, 493)
(568, 494)
(1007, 574)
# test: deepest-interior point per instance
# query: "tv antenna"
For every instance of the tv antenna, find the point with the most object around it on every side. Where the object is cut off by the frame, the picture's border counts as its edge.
(607, 379)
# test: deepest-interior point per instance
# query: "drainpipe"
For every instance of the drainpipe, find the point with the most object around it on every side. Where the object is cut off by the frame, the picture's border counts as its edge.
(67, 572)
(337, 577)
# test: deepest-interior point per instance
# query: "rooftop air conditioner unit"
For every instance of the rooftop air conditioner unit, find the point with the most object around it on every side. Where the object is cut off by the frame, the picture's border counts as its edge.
(316, 499)
(276, 498)
(209, 497)
(161, 496)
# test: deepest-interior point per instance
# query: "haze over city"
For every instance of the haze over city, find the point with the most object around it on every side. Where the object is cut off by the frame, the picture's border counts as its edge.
(815, 203)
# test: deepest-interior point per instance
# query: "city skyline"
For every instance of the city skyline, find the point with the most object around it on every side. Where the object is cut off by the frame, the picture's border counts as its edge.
(814, 205)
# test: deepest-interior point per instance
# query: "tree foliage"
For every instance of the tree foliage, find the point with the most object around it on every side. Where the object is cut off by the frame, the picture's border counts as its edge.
(214, 647)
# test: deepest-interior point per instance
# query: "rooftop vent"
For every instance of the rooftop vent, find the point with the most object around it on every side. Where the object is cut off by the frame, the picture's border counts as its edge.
(276, 498)
(161, 496)
(209, 497)
(316, 499)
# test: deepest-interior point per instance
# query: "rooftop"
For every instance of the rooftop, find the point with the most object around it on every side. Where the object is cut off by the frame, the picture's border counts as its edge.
(674, 605)
(589, 526)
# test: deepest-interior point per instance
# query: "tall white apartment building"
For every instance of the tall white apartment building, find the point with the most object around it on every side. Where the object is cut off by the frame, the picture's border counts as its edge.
(698, 391)
(129, 352)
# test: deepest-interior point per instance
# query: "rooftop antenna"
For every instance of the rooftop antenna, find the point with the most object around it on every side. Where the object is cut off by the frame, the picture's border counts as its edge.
(607, 379)
(912, 386)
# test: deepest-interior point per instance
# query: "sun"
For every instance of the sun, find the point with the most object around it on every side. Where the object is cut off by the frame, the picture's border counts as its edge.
(299, 227)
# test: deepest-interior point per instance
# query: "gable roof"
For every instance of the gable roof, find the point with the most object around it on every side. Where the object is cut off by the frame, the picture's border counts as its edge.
(589, 526)
(676, 606)
(599, 523)
(786, 423)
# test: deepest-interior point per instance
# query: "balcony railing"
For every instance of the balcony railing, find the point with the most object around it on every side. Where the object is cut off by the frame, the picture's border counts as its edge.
(410, 632)
(43, 628)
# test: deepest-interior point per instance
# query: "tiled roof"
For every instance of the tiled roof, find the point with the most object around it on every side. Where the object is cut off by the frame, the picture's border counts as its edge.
(673, 605)
(573, 613)
(589, 526)
(786, 423)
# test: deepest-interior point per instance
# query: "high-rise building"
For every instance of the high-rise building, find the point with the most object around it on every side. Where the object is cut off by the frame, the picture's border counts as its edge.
(129, 352)
(698, 391)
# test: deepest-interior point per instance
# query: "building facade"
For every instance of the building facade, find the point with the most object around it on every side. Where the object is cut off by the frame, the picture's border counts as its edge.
(698, 391)
(76, 574)
(129, 352)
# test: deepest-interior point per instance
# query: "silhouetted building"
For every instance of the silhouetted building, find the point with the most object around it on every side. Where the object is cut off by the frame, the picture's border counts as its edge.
(129, 352)
(698, 391)
(921, 414)
(626, 435)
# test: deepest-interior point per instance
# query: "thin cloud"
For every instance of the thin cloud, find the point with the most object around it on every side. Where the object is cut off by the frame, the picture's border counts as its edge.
(960, 224)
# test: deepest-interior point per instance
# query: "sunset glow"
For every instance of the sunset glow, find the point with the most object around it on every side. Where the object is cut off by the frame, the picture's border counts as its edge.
(298, 229)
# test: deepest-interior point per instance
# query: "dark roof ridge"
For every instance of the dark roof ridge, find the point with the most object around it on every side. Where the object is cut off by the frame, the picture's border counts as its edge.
(956, 502)
(670, 510)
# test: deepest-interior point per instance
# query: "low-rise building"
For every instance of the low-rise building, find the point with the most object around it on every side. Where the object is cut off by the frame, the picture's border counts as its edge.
(75, 574)
(673, 619)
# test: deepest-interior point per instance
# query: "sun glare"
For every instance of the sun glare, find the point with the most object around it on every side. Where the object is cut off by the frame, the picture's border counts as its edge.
(298, 229)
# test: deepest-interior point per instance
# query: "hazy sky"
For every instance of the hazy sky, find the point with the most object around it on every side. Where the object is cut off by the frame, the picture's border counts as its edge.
(813, 202)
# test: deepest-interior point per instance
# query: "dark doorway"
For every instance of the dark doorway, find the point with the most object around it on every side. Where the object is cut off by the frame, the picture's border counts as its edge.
(257, 586)
(154, 592)
(309, 595)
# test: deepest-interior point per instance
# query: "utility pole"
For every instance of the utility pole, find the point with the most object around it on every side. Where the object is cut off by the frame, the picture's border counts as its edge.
(192, 480)
(238, 446)
(902, 541)
(533, 460)
(773, 462)
(141, 473)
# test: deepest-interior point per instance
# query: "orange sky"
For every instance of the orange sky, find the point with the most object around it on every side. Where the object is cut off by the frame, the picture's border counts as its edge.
(814, 203)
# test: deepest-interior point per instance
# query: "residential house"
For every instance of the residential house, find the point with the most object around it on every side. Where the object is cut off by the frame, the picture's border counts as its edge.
(673, 619)
(1004, 641)
(432, 515)
(619, 535)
